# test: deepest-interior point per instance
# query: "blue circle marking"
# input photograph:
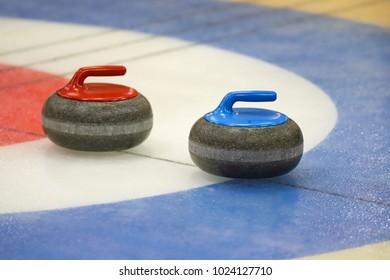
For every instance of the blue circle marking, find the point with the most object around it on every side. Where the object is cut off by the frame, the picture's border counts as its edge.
(226, 115)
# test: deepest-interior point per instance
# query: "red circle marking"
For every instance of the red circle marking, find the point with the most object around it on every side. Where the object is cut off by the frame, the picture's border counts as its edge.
(23, 92)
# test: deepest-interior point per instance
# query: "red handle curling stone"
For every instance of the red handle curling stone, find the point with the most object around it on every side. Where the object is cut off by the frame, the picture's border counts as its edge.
(97, 116)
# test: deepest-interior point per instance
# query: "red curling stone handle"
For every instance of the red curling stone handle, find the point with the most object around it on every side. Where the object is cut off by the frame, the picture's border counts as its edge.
(105, 70)
(76, 89)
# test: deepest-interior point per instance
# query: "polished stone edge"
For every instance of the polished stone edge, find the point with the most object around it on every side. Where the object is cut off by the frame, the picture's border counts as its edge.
(244, 155)
(97, 129)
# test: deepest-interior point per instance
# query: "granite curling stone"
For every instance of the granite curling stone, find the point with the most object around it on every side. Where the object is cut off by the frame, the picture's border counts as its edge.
(97, 116)
(246, 142)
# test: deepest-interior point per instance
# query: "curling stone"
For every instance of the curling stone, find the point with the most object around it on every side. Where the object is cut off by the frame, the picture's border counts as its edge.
(246, 142)
(97, 116)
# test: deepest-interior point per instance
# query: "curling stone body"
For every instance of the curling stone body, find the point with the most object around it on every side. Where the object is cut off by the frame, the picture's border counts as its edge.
(246, 142)
(102, 117)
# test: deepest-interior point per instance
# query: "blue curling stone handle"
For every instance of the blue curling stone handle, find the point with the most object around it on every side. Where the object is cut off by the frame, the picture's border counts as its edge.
(226, 115)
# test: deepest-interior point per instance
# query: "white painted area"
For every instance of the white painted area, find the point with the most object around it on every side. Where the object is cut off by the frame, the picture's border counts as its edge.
(181, 85)
(39, 175)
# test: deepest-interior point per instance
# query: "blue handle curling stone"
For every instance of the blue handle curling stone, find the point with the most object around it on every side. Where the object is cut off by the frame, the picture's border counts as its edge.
(246, 142)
